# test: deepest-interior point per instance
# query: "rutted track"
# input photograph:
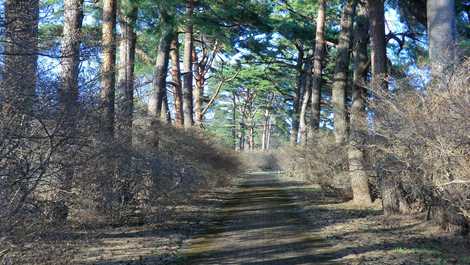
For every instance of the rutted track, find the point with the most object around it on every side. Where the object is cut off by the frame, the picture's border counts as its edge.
(260, 224)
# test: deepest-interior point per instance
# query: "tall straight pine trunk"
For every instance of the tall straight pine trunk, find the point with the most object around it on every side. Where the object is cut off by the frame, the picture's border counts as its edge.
(358, 120)
(68, 96)
(390, 192)
(125, 98)
(161, 68)
(297, 96)
(70, 57)
(318, 57)
(188, 67)
(340, 78)
(108, 40)
(176, 78)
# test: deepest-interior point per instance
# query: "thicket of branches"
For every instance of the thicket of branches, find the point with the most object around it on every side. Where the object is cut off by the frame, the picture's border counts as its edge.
(36, 150)
(419, 138)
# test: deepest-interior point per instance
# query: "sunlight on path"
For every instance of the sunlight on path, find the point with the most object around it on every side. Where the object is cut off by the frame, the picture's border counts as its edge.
(260, 224)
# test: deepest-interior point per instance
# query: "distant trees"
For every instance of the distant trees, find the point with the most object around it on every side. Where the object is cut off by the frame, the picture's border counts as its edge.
(252, 73)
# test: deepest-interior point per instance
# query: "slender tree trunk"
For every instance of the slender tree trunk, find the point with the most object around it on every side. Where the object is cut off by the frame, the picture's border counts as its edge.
(442, 34)
(318, 57)
(125, 97)
(358, 123)
(21, 44)
(241, 135)
(198, 91)
(177, 86)
(234, 122)
(251, 138)
(340, 79)
(264, 140)
(303, 125)
(268, 137)
(125, 82)
(389, 185)
(188, 67)
(297, 96)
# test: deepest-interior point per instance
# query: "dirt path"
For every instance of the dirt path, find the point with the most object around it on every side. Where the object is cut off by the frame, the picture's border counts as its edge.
(261, 224)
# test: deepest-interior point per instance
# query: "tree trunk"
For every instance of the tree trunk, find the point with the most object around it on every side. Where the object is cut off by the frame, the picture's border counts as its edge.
(188, 68)
(161, 68)
(165, 113)
(389, 185)
(70, 59)
(176, 77)
(68, 94)
(268, 137)
(358, 123)
(21, 44)
(340, 79)
(318, 57)
(303, 125)
(125, 98)
(108, 69)
(198, 91)
(297, 96)
(234, 122)
(442, 35)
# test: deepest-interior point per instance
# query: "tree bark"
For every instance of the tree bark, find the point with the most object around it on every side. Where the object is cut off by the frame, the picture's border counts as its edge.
(21, 44)
(318, 57)
(198, 90)
(68, 95)
(125, 98)
(442, 35)
(358, 122)
(340, 79)
(389, 185)
(188, 67)
(234, 121)
(108, 40)
(165, 113)
(176, 77)
(70, 59)
(303, 125)
(161, 68)
(107, 101)
(297, 96)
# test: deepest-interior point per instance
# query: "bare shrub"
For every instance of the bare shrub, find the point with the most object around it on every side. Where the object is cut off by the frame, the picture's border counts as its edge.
(320, 161)
(422, 139)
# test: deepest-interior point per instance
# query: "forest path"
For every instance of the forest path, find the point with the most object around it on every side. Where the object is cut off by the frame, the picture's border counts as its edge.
(261, 224)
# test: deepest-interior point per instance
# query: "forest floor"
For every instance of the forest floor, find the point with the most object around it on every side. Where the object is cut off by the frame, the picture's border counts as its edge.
(264, 220)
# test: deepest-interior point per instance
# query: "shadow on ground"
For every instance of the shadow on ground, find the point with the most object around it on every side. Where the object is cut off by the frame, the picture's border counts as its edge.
(268, 221)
